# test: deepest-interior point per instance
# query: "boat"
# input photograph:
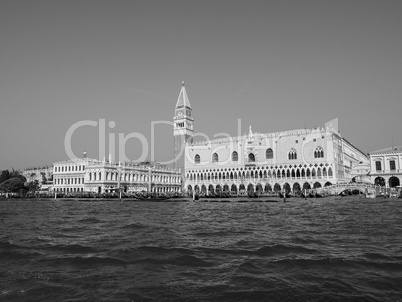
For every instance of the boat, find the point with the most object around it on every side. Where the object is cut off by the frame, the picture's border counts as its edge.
(152, 197)
(371, 194)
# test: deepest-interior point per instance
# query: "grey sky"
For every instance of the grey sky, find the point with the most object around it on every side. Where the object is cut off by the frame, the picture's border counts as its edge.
(276, 65)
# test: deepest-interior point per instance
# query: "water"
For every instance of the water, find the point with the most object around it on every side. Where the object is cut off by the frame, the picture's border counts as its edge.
(332, 249)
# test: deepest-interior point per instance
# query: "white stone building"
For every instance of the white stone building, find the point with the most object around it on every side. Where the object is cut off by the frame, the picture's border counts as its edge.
(41, 174)
(386, 166)
(290, 160)
(105, 177)
(91, 175)
(69, 175)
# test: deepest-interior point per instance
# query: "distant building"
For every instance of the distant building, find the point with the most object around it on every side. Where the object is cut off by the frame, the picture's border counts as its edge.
(42, 174)
(91, 175)
(104, 177)
(386, 166)
(69, 175)
(288, 160)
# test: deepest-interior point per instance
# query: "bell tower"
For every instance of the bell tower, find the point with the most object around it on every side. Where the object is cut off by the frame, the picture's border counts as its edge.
(183, 127)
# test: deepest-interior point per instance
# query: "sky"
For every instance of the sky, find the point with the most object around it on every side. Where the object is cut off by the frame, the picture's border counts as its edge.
(274, 65)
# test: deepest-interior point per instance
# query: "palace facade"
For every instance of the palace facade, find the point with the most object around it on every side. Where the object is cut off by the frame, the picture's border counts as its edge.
(91, 175)
(288, 160)
(386, 166)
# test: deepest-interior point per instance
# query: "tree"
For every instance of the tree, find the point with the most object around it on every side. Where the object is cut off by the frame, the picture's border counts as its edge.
(44, 179)
(33, 185)
(12, 185)
(16, 174)
(4, 176)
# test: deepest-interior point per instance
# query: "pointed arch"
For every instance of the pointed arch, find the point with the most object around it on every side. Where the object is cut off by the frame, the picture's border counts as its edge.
(296, 187)
(319, 152)
(286, 187)
(215, 158)
(197, 159)
(292, 154)
(211, 189)
(235, 156)
(269, 154)
(317, 185)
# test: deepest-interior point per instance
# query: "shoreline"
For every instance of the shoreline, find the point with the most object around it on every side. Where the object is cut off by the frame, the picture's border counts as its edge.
(180, 199)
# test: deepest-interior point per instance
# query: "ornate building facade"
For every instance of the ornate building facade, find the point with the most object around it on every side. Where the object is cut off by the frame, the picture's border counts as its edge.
(386, 166)
(105, 177)
(69, 176)
(91, 175)
(289, 160)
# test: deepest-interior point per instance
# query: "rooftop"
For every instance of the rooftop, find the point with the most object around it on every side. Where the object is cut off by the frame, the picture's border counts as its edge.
(395, 149)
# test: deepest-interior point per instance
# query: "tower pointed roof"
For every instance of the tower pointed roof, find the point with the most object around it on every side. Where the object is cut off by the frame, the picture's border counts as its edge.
(183, 100)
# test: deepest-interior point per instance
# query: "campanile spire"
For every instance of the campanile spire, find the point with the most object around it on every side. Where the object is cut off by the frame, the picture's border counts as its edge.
(183, 126)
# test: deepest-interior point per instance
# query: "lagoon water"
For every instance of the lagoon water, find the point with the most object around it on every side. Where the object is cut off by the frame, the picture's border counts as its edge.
(330, 249)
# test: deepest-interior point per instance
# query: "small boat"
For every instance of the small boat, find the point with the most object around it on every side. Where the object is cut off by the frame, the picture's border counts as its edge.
(151, 198)
(371, 194)
(196, 197)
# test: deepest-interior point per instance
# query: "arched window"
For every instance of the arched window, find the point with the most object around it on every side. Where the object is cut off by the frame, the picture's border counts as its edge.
(251, 158)
(319, 152)
(235, 156)
(215, 158)
(292, 154)
(269, 154)
(197, 159)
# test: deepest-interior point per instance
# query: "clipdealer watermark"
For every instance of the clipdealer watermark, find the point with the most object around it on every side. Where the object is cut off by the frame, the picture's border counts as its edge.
(219, 141)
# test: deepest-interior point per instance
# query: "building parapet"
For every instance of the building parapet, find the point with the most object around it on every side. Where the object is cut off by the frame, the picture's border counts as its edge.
(317, 130)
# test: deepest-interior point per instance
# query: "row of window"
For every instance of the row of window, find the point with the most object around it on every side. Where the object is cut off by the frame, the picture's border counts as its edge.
(69, 168)
(269, 154)
(69, 181)
(69, 189)
(392, 166)
(132, 177)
